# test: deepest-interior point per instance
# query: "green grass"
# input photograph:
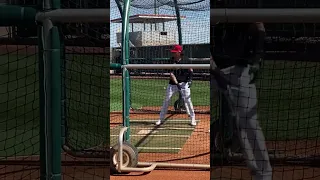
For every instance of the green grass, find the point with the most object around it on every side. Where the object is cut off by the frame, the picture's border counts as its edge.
(151, 92)
(289, 100)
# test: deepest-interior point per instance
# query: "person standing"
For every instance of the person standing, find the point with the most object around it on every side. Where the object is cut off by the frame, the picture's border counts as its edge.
(237, 54)
(180, 81)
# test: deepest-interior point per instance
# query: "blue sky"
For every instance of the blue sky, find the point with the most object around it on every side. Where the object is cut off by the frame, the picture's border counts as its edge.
(195, 28)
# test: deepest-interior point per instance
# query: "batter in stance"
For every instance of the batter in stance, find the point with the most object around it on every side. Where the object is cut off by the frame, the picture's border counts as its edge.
(180, 80)
(238, 52)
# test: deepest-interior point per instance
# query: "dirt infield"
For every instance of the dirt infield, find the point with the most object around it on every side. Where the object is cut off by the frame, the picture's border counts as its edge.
(73, 168)
(279, 173)
(68, 173)
(165, 175)
(196, 150)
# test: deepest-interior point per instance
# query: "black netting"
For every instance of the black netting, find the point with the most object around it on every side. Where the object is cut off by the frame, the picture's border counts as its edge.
(189, 5)
(265, 4)
(85, 96)
(288, 89)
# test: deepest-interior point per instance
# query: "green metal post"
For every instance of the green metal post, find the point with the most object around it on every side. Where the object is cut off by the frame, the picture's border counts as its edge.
(180, 100)
(115, 66)
(56, 98)
(119, 7)
(108, 107)
(125, 73)
(43, 159)
(178, 21)
(212, 113)
(55, 103)
(56, 4)
(63, 90)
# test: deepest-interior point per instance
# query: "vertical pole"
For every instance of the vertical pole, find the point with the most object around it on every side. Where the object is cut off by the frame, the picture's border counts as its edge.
(56, 98)
(212, 110)
(155, 12)
(178, 21)
(180, 100)
(63, 92)
(52, 89)
(108, 104)
(43, 145)
(125, 73)
(45, 94)
(47, 25)
(56, 103)
(119, 7)
(53, 108)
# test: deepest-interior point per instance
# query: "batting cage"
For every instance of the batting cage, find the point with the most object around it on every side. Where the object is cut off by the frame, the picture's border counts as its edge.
(142, 34)
(54, 90)
(288, 91)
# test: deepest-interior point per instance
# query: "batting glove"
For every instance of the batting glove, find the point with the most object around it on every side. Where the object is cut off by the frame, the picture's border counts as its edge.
(189, 84)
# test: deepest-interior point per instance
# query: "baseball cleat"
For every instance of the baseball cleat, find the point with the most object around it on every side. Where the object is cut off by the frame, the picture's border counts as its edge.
(193, 123)
(158, 122)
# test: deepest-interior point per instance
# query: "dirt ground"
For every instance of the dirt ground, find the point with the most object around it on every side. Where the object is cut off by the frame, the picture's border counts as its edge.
(196, 150)
(164, 175)
(279, 173)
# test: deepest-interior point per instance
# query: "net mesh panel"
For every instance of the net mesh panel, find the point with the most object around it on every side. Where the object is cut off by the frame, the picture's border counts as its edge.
(175, 141)
(288, 100)
(85, 87)
(86, 95)
(19, 112)
(19, 102)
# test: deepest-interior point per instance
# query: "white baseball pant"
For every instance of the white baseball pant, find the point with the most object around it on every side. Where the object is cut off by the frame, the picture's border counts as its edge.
(186, 96)
(252, 140)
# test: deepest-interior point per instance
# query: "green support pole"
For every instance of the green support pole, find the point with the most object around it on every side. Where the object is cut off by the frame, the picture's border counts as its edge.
(125, 73)
(180, 100)
(212, 113)
(108, 109)
(43, 159)
(63, 91)
(115, 66)
(119, 7)
(178, 20)
(56, 97)
(55, 103)
(56, 4)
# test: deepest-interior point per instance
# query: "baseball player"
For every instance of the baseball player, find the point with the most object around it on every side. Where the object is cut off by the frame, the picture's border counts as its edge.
(180, 81)
(238, 52)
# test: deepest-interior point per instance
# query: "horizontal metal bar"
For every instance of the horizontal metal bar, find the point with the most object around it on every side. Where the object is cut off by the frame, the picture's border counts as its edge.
(76, 15)
(293, 15)
(175, 165)
(166, 66)
(114, 66)
(199, 59)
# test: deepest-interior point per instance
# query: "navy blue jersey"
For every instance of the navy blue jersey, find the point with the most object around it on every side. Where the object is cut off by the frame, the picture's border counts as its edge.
(182, 75)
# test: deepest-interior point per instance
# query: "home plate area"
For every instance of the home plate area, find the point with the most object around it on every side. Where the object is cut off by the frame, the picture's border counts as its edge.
(149, 138)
